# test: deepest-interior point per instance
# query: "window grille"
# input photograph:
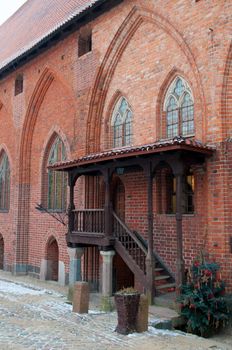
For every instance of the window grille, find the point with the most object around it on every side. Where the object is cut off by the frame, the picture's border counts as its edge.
(122, 124)
(179, 107)
(187, 194)
(4, 183)
(57, 181)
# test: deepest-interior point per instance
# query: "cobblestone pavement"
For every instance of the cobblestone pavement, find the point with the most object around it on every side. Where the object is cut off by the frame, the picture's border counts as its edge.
(36, 316)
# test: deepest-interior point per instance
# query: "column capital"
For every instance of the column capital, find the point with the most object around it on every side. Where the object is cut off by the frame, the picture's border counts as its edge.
(107, 254)
(75, 253)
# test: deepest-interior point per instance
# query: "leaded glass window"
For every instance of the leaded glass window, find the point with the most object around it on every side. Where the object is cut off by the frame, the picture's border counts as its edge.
(187, 115)
(57, 181)
(179, 107)
(4, 183)
(118, 127)
(187, 194)
(122, 124)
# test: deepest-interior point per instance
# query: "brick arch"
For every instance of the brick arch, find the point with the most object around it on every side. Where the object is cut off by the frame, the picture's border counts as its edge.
(128, 28)
(226, 103)
(4, 148)
(53, 133)
(35, 103)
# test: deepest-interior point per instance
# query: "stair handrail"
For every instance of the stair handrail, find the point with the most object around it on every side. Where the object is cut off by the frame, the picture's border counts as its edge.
(130, 233)
(156, 256)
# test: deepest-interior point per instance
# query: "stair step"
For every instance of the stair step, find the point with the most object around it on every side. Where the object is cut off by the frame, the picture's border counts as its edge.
(164, 286)
(161, 277)
(159, 269)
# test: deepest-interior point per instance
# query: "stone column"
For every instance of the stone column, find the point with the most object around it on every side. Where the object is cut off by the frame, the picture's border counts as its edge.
(75, 255)
(107, 275)
(107, 272)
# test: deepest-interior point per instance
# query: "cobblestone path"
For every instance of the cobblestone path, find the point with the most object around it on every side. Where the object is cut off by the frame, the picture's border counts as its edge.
(40, 319)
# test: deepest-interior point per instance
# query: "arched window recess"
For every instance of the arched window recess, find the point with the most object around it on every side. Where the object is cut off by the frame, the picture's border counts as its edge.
(121, 124)
(4, 182)
(179, 109)
(54, 184)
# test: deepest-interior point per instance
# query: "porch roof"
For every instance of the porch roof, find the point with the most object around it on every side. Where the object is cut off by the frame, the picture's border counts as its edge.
(178, 143)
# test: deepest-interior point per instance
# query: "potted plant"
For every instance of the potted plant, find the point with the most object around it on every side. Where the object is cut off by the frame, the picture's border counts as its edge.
(127, 304)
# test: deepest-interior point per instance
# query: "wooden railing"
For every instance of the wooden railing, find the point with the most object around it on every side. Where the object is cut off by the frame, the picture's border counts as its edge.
(89, 221)
(130, 241)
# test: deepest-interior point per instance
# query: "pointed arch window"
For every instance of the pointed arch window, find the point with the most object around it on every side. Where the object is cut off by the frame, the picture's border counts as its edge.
(57, 181)
(122, 124)
(179, 108)
(4, 183)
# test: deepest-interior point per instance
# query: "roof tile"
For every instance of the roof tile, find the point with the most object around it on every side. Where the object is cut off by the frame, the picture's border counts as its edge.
(33, 21)
(188, 144)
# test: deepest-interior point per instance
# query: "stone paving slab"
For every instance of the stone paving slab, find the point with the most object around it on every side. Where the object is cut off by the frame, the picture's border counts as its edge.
(35, 317)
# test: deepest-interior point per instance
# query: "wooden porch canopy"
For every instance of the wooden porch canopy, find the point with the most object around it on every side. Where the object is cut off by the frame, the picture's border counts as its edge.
(178, 153)
(189, 150)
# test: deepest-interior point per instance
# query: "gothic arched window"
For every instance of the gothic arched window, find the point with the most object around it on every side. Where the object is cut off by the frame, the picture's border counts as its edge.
(179, 108)
(4, 182)
(57, 181)
(122, 124)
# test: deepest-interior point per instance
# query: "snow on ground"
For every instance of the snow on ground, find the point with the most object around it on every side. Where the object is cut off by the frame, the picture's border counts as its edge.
(39, 317)
(17, 289)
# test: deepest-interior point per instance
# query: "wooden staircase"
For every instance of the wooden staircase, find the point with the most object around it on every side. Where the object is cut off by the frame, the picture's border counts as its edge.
(131, 246)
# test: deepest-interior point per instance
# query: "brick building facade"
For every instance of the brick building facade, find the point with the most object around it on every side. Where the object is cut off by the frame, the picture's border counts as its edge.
(91, 77)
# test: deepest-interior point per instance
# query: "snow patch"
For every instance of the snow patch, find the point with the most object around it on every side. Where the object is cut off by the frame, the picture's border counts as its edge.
(17, 289)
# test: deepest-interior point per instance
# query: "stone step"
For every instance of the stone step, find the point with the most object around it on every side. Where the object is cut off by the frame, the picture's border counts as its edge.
(161, 277)
(159, 269)
(164, 286)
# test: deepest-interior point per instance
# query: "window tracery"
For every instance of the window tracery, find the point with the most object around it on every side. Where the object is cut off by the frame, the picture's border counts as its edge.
(122, 124)
(179, 108)
(57, 181)
(4, 183)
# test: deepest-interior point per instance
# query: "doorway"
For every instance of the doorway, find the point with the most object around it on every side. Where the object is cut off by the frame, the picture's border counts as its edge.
(52, 260)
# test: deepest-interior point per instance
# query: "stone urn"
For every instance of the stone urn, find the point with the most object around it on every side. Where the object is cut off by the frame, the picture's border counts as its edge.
(127, 305)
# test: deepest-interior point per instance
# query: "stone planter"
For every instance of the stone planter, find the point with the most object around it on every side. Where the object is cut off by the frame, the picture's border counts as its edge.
(127, 308)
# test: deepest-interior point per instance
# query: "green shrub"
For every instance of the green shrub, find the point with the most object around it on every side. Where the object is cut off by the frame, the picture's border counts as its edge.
(202, 300)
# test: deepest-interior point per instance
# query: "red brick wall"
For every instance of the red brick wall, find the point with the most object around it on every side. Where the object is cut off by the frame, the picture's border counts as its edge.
(138, 48)
(165, 224)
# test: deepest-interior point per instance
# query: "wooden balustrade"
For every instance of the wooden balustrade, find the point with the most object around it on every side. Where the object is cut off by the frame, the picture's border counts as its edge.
(131, 242)
(89, 221)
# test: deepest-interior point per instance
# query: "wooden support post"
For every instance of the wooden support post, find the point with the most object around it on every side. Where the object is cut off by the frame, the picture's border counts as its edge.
(71, 206)
(150, 256)
(180, 260)
(108, 204)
